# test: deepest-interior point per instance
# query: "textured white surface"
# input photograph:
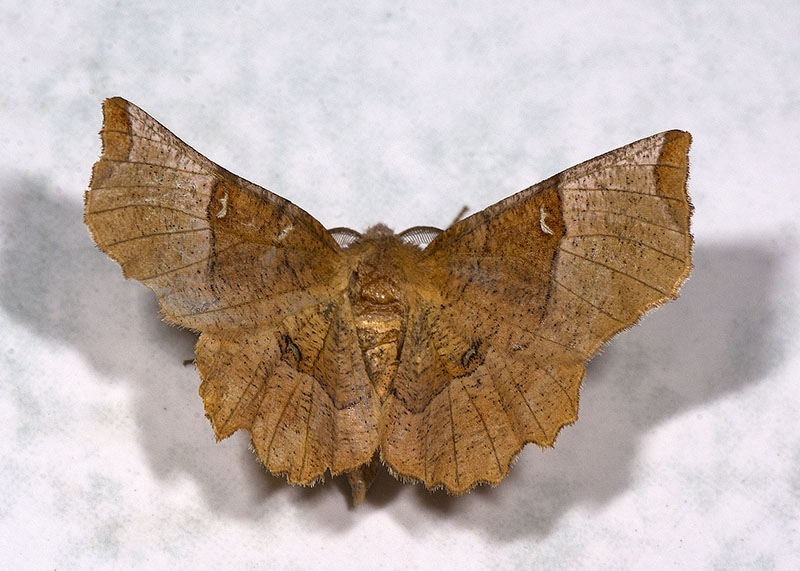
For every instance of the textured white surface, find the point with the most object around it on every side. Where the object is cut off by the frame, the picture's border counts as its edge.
(686, 454)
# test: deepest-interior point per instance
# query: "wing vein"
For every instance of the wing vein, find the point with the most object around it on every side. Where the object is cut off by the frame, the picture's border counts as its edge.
(564, 390)
(453, 432)
(327, 333)
(625, 165)
(277, 422)
(200, 261)
(553, 341)
(530, 408)
(485, 428)
(622, 190)
(250, 383)
(145, 163)
(142, 137)
(145, 205)
(597, 307)
(616, 271)
(154, 235)
(637, 218)
(427, 439)
(308, 431)
(257, 300)
(626, 239)
(158, 186)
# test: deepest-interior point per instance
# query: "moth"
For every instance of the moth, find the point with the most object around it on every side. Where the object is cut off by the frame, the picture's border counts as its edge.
(437, 354)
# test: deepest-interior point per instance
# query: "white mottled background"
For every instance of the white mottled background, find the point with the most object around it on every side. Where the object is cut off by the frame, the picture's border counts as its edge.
(687, 453)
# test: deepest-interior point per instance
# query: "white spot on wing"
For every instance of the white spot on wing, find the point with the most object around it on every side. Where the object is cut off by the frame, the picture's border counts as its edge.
(284, 232)
(542, 215)
(223, 200)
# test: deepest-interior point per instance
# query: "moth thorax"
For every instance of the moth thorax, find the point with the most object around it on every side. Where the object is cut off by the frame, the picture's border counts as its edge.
(380, 319)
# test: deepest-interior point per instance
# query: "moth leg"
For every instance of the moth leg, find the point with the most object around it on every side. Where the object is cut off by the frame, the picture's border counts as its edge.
(361, 478)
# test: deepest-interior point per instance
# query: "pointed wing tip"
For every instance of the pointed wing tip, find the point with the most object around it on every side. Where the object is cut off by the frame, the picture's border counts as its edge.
(114, 106)
(676, 136)
(114, 143)
(115, 100)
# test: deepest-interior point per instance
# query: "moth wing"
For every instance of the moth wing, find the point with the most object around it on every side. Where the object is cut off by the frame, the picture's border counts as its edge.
(261, 280)
(522, 295)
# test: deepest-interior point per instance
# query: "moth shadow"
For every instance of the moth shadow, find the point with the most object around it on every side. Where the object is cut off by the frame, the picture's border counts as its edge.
(715, 340)
(718, 338)
(59, 285)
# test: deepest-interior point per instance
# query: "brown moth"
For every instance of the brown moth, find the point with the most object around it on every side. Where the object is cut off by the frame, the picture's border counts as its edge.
(339, 351)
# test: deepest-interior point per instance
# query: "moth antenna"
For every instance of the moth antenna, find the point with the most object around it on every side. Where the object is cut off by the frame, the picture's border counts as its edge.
(419, 235)
(460, 215)
(344, 236)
